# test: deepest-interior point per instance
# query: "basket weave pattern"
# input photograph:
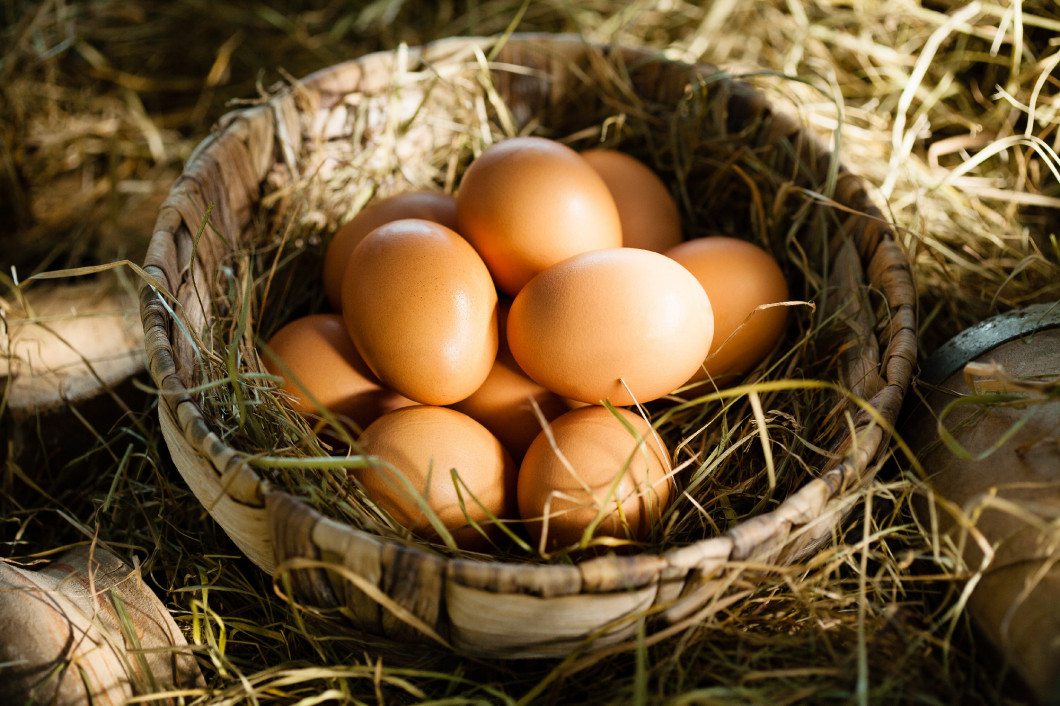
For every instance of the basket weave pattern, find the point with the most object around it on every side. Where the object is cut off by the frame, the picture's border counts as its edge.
(501, 607)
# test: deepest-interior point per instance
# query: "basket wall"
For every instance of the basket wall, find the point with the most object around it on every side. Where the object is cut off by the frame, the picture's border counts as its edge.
(246, 173)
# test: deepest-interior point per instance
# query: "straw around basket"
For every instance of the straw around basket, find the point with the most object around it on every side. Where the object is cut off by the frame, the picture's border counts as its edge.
(501, 608)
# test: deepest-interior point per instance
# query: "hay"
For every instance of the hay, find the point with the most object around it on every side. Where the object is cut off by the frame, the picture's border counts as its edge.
(337, 177)
(953, 120)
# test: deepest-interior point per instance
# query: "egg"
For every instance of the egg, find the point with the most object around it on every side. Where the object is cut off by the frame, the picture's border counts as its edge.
(413, 452)
(422, 310)
(620, 324)
(526, 203)
(436, 206)
(505, 403)
(646, 209)
(592, 466)
(318, 361)
(739, 277)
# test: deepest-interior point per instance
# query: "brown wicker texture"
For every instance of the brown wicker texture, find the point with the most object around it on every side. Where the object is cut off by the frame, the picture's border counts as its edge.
(507, 608)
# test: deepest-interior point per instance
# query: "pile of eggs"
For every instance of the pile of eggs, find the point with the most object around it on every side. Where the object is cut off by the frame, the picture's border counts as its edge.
(476, 339)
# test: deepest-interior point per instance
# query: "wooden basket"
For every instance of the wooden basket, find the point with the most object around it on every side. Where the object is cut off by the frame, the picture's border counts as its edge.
(513, 609)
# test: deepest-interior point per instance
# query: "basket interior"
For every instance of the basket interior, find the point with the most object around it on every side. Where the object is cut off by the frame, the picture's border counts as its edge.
(277, 180)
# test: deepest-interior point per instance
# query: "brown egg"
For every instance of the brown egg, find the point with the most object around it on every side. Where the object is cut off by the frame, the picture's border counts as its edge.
(598, 323)
(417, 449)
(421, 308)
(738, 276)
(528, 202)
(436, 206)
(647, 210)
(317, 351)
(505, 402)
(596, 465)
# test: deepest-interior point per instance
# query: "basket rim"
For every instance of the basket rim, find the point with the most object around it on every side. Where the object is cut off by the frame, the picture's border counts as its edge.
(246, 486)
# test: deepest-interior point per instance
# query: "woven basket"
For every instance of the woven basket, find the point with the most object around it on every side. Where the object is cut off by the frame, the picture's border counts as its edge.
(246, 172)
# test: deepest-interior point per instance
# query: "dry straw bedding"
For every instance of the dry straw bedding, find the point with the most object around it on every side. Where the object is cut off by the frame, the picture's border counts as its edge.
(950, 113)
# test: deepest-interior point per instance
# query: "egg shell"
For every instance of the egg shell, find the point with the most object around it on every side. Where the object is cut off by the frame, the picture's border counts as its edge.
(648, 213)
(422, 310)
(738, 276)
(528, 202)
(423, 444)
(571, 478)
(505, 402)
(317, 352)
(436, 206)
(597, 320)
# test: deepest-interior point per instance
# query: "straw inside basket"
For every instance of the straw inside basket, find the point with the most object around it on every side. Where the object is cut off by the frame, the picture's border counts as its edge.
(767, 470)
